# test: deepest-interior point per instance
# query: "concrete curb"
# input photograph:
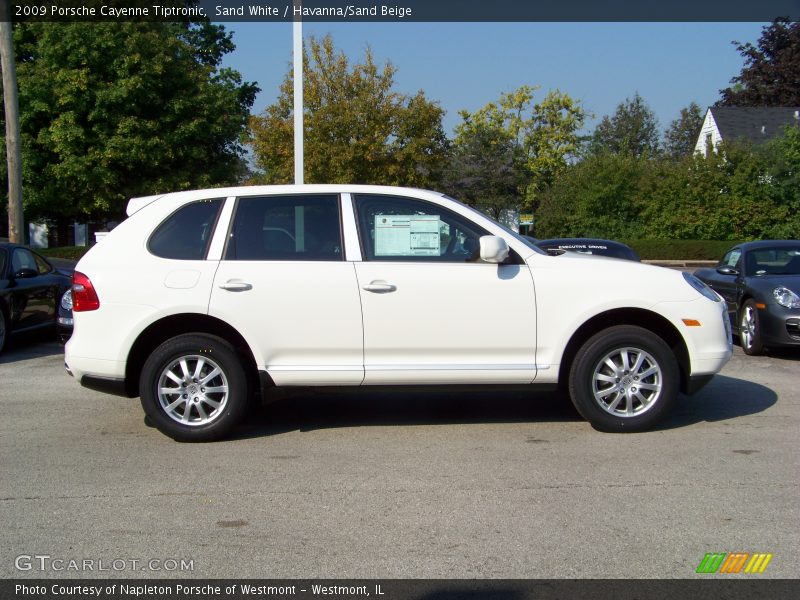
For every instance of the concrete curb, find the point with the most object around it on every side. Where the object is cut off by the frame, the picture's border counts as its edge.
(682, 263)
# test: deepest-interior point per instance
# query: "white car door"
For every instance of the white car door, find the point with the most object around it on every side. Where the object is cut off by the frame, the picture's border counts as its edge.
(284, 285)
(433, 312)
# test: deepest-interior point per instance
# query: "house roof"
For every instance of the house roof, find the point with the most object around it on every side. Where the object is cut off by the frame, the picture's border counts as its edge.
(756, 124)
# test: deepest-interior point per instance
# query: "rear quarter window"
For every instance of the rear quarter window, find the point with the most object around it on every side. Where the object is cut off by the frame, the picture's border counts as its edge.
(186, 233)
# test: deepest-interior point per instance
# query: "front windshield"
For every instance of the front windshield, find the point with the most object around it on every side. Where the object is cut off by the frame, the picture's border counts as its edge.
(525, 240)
(781, 260)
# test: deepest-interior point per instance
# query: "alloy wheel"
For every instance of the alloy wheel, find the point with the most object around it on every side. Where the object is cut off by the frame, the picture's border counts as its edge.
(193, 390)
(627, 382)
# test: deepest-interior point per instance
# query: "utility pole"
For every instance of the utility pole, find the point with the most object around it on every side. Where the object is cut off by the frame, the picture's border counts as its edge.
(13, 148)
(297, 58)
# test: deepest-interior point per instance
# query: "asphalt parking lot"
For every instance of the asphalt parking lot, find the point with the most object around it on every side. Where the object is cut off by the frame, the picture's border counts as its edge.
(393, 485)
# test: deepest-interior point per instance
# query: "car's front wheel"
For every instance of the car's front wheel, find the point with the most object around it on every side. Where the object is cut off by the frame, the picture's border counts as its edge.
(750, 329)
(624, 378)
(194, 388)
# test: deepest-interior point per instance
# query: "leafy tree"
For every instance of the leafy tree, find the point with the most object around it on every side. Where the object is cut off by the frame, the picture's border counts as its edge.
(114, 110)
(725, 196)
(681, 136)
(742, 192)
(597, 197)
(632, 130)
(357, 128)
(482, 170)
(771, 73)
(782, 154)
(543, 136)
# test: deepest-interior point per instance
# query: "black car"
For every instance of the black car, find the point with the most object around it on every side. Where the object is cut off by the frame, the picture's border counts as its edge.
(31, 289)
(760, 281)
(598, 247)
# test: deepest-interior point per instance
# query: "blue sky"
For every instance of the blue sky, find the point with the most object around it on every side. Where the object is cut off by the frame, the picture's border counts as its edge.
(466, 65)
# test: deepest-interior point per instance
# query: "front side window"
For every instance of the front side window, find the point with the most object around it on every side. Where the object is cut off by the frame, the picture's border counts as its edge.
(731, 259)
(406, 229)
(186, 233)
(303, 227)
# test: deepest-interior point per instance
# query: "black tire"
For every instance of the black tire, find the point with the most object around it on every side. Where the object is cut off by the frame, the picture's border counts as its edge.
(637, 393)
(3, 329)
(750, 329)
(184, 364)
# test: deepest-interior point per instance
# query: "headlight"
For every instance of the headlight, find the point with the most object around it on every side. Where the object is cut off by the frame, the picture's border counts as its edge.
(701, 287)
(786, 297)
(66, 300)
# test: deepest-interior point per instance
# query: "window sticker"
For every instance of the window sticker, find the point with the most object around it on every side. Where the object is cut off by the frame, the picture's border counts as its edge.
(407, 235)
(734, 258)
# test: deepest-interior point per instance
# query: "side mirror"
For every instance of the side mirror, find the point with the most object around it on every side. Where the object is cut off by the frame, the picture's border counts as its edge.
(26, 273)
(726, 270)
(494, 249)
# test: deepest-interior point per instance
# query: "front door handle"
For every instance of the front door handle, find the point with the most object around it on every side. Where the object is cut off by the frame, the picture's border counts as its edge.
(236, 286)
(379, 287)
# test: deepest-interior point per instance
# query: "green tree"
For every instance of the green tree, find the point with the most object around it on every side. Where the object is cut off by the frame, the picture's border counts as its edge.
(782, 155)
(597, 197)
(725, 196)
(632, 130)
(681, 136)
(771, 72)
(483, 170)
(543, 136)
(114, 110)
(357, 128)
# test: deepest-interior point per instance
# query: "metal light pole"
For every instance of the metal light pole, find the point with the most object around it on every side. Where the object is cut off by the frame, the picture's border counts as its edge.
(13, 148)
(298, 96)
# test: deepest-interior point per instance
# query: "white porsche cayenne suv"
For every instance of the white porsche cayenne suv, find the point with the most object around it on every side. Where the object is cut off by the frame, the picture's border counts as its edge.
(202, 301)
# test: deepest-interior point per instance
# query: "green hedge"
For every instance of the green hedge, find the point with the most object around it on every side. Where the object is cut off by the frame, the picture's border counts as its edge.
(680, 249)
(71, 252)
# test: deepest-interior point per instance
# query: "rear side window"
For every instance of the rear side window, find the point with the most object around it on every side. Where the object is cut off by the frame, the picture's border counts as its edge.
(304, 227)
(41, 265)
(2, 262)
(186, 233)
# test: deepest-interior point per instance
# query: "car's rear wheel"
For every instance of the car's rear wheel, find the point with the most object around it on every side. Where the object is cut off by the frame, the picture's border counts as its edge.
(624, 378)
(194, 388)
(750, 329)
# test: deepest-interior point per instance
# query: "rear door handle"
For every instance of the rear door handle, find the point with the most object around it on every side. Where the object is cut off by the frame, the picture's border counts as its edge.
(236, 286)
(379, 287)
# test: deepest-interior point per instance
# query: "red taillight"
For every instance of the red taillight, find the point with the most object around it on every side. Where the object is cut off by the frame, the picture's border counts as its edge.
(83, 295)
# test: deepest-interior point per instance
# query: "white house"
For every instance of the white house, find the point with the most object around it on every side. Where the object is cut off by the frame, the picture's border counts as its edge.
(755, 124)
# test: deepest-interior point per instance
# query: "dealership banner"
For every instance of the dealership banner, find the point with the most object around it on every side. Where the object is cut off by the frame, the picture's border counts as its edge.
(401, 10)
(399, 589)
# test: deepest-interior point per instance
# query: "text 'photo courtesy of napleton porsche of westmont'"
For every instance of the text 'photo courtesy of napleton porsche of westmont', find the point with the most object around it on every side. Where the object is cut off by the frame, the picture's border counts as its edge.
(228, 293)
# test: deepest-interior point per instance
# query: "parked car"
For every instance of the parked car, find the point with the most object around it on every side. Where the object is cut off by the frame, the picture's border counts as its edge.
(593, 246)
(30, 290)
(201, 298)
(760, 283)
(64, 318)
